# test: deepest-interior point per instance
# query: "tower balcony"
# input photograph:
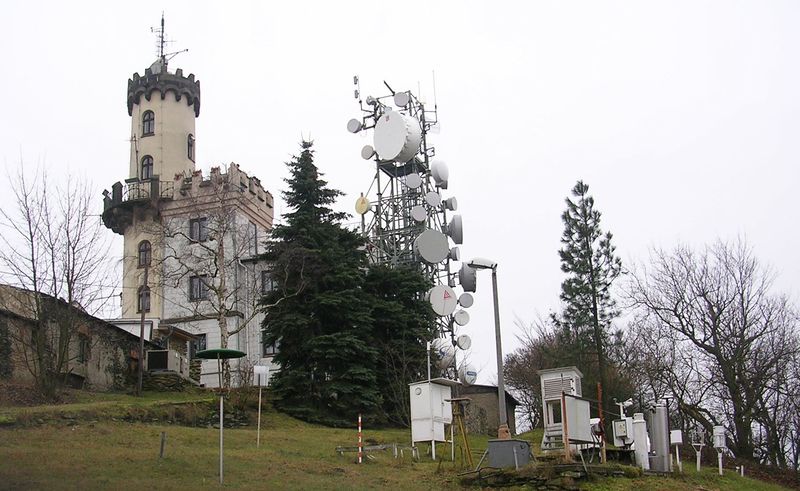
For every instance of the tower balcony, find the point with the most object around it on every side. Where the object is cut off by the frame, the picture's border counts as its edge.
(136, 194)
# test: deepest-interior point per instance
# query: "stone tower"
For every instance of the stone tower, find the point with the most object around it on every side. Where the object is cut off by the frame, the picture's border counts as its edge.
(196, 237)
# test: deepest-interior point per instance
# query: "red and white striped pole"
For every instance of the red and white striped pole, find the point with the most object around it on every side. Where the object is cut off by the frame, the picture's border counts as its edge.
(360, 445)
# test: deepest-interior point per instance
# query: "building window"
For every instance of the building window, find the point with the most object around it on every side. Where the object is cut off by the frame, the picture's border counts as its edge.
(190, 147)
(83, 349)
(145, 253)
(148, 123)
(253, 232)
(143, 301)
(198, 344)
(198, 229)
(267, 283)
(147, 167)
(270, 349)
(198, 287)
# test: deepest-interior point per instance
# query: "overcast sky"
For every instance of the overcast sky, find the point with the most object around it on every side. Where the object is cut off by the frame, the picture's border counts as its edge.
(683, 117)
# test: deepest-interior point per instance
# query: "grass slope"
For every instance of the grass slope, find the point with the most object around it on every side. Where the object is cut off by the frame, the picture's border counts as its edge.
(107, 454)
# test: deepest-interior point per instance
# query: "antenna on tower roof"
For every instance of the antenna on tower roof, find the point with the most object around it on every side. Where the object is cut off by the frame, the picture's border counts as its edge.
(164, 57)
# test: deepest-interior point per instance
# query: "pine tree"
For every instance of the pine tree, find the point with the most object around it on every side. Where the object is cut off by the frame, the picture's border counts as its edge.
(318, 313)
(587, 257)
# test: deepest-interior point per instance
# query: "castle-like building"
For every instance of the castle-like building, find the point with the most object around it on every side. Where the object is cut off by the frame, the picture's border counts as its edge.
(191, 242)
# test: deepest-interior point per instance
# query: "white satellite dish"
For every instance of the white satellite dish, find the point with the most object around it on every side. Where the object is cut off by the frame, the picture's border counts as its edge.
(432, 246)
(354, 126)
(444, 351)
(413, 180)
(397, 136)
(461, 317)
(362, 205)
(443, 300)
(455, 254)
(455, 229)
(440, 173)
(367, 152)
(433, 199)
(464, 342)
(467, 278)
(466, 300)
(418, 213)
(451, 204)
(401, 99)
(468, 375)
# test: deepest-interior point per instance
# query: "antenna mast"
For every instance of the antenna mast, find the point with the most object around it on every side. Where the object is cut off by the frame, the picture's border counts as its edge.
(163, 56)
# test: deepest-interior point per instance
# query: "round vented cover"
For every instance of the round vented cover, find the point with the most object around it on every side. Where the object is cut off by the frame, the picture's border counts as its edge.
(432, 246)
(397, 136)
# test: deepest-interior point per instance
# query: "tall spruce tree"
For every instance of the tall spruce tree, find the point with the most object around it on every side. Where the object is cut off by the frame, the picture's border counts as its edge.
(588, 259)
(402, 322)
(318, 313)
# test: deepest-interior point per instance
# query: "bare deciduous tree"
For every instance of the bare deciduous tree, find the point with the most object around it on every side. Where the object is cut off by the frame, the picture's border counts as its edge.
(52, 245)
(719, 340)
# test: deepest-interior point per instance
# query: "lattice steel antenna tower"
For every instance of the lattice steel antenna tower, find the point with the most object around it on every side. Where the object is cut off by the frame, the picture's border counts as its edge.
(404, 217)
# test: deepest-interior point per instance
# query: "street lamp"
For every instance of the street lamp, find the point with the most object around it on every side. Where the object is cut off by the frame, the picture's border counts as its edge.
(503, 432)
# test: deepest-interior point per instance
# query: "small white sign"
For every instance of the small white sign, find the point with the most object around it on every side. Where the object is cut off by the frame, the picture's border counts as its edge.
(260, 375)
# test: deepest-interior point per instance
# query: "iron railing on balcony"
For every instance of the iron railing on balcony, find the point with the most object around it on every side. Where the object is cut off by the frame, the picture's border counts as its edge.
(140, 190)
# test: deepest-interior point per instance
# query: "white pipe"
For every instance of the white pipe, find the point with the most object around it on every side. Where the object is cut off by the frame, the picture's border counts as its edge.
(640, 441)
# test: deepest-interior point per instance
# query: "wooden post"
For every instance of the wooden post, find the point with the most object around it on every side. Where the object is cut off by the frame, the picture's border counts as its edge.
(163, 444)
(602, 422)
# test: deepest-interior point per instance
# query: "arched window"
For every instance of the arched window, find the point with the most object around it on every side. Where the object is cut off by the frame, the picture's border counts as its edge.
(143, 302)
(145, 253)
(190, 147)
(147, 167)
(148, 123)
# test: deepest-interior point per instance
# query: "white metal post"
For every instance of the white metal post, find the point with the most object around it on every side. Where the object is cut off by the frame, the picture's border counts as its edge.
(258, 438)
(221, 419)
(360, 441)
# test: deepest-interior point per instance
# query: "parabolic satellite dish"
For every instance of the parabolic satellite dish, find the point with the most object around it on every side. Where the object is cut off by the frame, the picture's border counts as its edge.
(432, 246)
(418, 213)
(466, 300)
(367, 152)
(461, 317)
(468, 375)
(433, 199)
(467, 278)
(443, 300)
(397, 137)
(401, 99)
(455, 229)
(464, 342)
(354, 126)
(445, 352)
(440, 173)
(455, 254)
(450, 203)
(413, 180)
(362, 205)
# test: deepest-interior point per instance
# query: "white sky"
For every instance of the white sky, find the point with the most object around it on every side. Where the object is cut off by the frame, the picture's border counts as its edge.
(683, 117)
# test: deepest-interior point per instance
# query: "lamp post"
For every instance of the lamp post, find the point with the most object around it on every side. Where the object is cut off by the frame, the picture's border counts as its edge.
(503, 432)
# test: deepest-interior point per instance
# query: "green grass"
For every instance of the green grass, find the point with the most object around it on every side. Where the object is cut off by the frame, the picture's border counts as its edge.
(100, 453)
